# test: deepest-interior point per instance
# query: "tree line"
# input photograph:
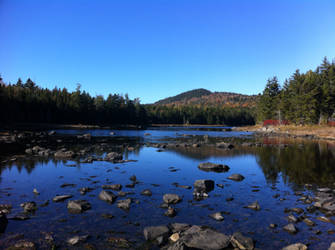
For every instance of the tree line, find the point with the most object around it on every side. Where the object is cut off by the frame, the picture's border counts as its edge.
(28, 103)
(304, 98)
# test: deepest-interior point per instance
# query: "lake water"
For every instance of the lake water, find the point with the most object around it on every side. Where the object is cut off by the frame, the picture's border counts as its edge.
(275, 172)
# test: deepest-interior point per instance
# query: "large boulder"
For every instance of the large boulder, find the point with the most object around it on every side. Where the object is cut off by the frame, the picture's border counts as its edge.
(152, 233)
(204, 238)
(208, 166)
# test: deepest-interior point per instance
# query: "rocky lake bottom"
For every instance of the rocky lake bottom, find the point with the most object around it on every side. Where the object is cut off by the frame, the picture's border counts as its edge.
(165, 190)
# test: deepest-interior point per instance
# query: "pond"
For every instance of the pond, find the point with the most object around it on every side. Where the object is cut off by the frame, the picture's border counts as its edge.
(279, 175)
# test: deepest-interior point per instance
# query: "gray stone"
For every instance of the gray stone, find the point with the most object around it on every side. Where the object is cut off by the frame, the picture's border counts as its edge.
(204, 238)
(203, 186)
(290, 228)
(217, 216)
(254, 206)
(170, 212)
(116, 187)
(107, 196)
(152, 233)
(208, 166)
(171, 198)
(296, 246)
(146, 192)
(236, 177)
(59, 198)
(78, 206)
(113, 156)
(124, 204)
(242, 242)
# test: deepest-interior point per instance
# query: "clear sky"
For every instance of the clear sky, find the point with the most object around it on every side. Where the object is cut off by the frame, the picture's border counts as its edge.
(159, 48)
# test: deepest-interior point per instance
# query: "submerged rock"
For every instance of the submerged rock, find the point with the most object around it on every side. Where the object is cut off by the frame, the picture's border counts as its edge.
(29, 207)
(107, 196)
(171, 198)
(116, 187)
(203, 186)
(146, 192)
(78, 206)
(170, 212)
(124, 204)
(290, 228)
(208, 166)
(59, 198)
(217, 216)
(236, 177)
(255, 206)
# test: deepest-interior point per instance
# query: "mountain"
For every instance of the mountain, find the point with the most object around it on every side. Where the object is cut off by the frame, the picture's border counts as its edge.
(185, 96)
(206, 97)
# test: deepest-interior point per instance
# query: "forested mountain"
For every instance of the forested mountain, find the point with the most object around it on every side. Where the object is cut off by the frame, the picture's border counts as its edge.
(185, 96)
(304, 98)
(208, 98)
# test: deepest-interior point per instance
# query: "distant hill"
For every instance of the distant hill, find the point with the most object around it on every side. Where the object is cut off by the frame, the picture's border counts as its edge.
(185, 96)
(206, 97)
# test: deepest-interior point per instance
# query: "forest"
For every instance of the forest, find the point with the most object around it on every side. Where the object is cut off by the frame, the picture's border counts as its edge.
(304, 98)
(29, 103)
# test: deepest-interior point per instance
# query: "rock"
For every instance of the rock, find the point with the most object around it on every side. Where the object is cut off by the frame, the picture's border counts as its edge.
(107, 196)
(116, 187)
(241, 242)
(225, 145)
(76, 239)
(133, 178)
(64, 154)
(174, 237)
(24, 245)
(297, 210)
(217, 216)
(179, 227)
(254, 206)
(323, 219)
(146, 192)
(87, 136)
(59, 198)
(124, 204)
(208, 166)
(204, 238)
(67, 185)
(292, 218)
(29, 151)
(325, 190)
(171, 198)
(78, 206)
(85, 190)
(309, 222)
(290, 228)
(236, 177)
(152, 233)
(29, 207)
(273, 225)
(20, 216)
(296, 246)
(35, 191)
(107, 216)
(171, 212)
(3, 223)
(113, 156)
(203, 186)
(52, 132)
(332, 246)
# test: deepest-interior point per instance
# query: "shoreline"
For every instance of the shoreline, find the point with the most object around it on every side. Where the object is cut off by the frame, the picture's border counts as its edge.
(319, 132)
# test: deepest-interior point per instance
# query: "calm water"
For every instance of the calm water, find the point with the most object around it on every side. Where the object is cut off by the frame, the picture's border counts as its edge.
(268, 170)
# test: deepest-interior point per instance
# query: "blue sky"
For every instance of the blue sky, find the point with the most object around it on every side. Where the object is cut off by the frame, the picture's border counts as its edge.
(155, 49)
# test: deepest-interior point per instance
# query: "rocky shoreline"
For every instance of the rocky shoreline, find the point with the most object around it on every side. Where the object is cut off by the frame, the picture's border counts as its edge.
(172, 236)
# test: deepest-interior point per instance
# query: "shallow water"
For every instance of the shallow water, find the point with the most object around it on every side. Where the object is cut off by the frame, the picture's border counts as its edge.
(268, 170)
